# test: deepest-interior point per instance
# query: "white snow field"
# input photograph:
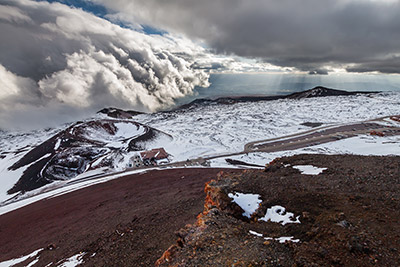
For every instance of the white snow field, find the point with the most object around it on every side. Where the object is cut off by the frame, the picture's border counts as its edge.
(223, 128)
(219, 128)
(125, 130)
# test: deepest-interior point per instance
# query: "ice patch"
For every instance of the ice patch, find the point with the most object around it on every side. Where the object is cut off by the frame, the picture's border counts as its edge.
(278, 214)
(20, 259)
(248, 202)
(309, 169)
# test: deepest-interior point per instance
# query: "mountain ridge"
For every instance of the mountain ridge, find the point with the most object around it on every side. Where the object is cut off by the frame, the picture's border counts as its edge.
(318, 91)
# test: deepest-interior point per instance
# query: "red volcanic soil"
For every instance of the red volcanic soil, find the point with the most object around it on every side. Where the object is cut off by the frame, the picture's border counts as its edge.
(129, 221)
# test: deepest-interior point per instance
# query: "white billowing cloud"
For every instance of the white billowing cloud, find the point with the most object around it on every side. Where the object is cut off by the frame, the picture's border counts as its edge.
(62, 58)
(12, 87)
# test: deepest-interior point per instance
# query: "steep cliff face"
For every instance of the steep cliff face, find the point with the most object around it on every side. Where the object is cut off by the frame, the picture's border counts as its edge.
(302, 210)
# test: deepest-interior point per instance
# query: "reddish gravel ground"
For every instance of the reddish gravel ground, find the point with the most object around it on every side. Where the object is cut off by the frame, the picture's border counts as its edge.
(129, 221)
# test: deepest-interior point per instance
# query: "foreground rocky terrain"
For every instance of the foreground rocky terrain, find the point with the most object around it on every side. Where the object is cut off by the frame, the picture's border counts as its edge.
(345, 216)
(129, 221)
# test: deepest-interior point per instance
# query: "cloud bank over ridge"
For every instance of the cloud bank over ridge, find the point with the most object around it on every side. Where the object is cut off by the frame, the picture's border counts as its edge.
(55, 60)
(310, 35)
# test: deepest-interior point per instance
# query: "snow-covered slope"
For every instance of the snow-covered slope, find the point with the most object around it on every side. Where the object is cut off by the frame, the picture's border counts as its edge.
(205, 130)
(84, 146)
(198, 131)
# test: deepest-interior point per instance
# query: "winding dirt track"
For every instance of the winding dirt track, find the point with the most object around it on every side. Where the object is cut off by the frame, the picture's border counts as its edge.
(315, 136)
(135, 215)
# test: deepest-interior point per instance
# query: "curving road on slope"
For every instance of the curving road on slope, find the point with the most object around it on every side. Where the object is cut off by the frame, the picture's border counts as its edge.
(318, 136)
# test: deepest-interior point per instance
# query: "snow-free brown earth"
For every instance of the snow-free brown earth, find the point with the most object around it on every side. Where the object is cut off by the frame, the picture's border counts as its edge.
(129, 221)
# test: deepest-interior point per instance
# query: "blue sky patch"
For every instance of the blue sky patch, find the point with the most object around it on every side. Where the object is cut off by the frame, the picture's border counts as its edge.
(102, 12)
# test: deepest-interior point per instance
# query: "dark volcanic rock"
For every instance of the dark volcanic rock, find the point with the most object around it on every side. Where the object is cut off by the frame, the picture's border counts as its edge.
(321, 91)
(312, 124)
(239, 162)
(119, 113)
(228, 100)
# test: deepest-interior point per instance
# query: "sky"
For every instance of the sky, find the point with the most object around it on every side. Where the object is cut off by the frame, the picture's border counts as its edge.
(62, 60)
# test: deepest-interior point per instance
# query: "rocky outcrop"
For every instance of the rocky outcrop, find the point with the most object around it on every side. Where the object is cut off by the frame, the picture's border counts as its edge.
(340, 217)
(117, 113)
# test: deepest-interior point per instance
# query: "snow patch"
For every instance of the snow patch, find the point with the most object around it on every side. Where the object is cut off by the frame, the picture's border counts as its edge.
(57, 145)
(10, 177)
(20, 259)
(278, 214)
(33, 262)
(248, 202)
(73, 260)
(283, 239)
(255, 233)
(309, 169)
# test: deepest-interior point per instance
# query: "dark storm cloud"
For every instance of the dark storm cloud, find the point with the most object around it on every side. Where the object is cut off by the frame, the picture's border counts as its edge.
(308, 34)
(318, 72)
(390, 65)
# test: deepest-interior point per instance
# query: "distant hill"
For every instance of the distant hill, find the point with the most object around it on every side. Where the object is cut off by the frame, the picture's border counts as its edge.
(321, 91)
(119, 113)
(318, 91)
